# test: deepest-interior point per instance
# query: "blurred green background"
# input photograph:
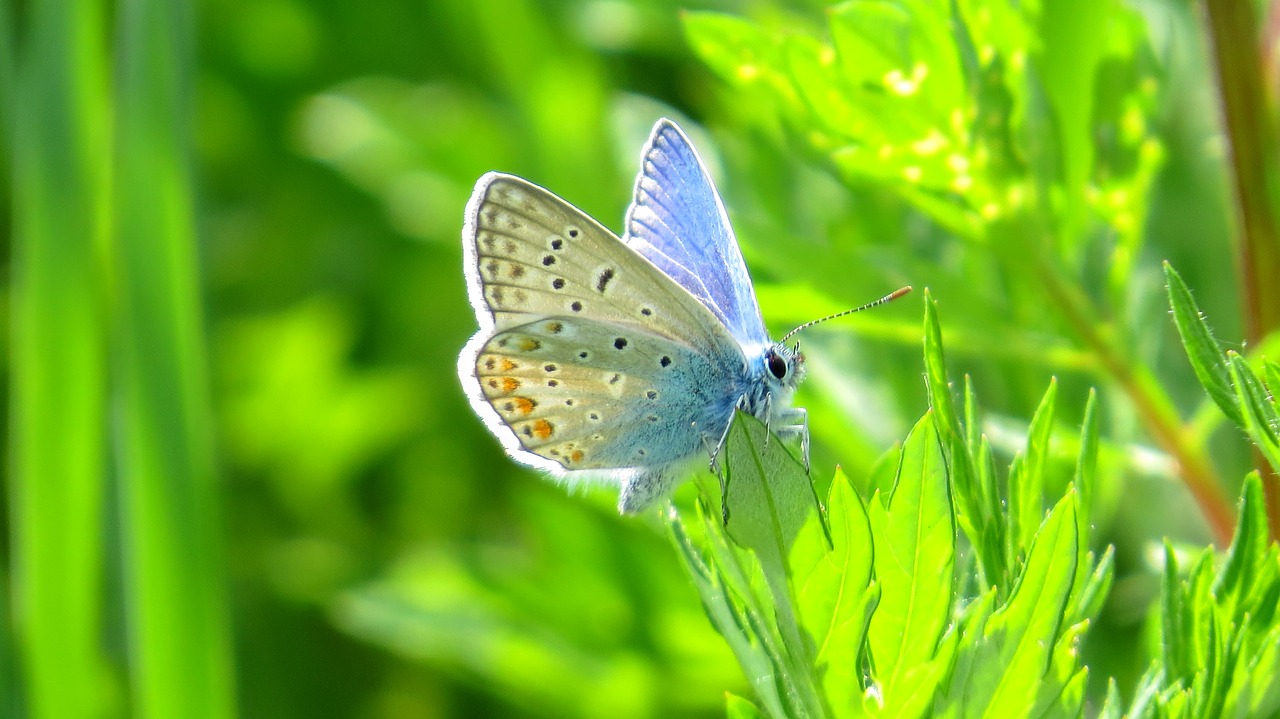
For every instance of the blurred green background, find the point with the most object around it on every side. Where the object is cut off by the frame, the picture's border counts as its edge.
(363, 546)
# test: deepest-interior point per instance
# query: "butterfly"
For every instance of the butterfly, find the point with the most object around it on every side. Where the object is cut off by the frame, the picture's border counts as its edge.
(619, 359)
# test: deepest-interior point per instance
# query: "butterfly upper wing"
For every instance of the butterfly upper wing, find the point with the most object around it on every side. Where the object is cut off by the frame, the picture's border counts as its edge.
(531, 254)
(679, 223)
(533, 263)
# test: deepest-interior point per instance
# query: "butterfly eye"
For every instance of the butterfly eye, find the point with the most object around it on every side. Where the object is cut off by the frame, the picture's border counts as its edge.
(777, 366)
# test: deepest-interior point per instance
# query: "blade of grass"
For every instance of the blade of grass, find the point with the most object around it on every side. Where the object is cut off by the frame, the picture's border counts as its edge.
(175, 604)
(59, 382)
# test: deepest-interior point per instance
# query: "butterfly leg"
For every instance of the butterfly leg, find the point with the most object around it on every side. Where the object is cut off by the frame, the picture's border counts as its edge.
(740, 405)
(724, 484)
(714, 453)
(795, 421)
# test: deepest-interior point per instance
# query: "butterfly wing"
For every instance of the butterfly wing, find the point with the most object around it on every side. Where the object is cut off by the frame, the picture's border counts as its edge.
(590, 395)
(679, 223)
(547, 283)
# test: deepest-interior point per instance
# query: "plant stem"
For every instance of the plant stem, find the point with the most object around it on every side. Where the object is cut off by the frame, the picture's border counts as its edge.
(1237, 61)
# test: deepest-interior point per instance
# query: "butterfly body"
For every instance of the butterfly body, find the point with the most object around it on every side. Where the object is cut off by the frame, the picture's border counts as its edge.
(616, 359)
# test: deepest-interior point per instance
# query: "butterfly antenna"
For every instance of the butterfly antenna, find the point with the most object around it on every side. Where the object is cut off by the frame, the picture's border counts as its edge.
(887, 298)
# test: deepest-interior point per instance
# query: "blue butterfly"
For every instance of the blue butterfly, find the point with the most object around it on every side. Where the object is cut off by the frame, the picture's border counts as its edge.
(622, 360)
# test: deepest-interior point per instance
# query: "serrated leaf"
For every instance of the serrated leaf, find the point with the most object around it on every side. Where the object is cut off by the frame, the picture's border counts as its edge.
(1026, 480)
(1261, 419)
(1247, 551)
(1173, 630)
(835, 595)
(1206, 355)
(935, 369)
(1061, 692)
(1256, 691)
(1112, 705)
(995, 535)
(1087, 460)
(914, 563)
(1028, 625)
(1087, 602)
(962, 697)
(1069, 703)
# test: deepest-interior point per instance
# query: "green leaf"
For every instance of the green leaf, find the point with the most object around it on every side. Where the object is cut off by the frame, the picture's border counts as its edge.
(835, 592)
(1254, 691)
(1261, 419)
(978, 509)
(1113, 705)
(1088, 601)
(1069, 702)
(1087, 460)
(736, 707)
(1247, 552)
(963, 696)
(935, 369)
(914, 563)
(735, 622)
(1147, 694)
(1026, 480)
(1027, 627)
(769, 496)
(768, 493)
(1206, 355)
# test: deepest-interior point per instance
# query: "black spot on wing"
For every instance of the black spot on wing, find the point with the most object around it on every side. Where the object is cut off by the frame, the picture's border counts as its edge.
(603, 280)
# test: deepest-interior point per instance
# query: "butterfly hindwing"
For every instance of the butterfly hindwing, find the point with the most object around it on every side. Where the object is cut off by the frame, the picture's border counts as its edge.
(679, 223)
(590, 395)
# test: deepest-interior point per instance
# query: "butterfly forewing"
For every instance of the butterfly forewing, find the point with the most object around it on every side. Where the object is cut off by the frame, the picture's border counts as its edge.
(535, 255)
(678, 222)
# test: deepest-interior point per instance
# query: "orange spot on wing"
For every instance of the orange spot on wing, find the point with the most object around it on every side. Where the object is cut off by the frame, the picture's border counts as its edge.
(575, 456)
(508, 365)
(510, 384)
(523, 405)
(542, 429)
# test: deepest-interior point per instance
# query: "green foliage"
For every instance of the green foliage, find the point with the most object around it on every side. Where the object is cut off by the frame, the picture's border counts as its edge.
(1218, 628)
(941, 108)
(270, 194)
(1241, 393)
(880, 622)
(886, 628)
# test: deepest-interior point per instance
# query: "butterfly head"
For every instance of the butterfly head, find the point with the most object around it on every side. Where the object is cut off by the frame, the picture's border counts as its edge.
(784, 367)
